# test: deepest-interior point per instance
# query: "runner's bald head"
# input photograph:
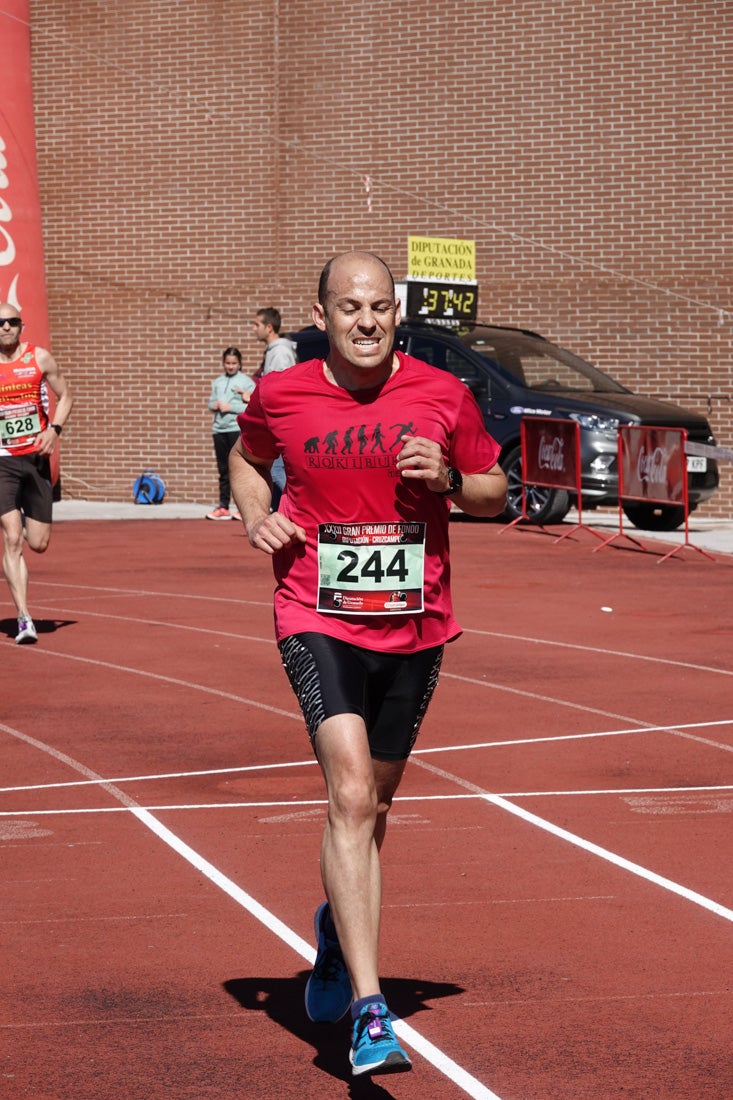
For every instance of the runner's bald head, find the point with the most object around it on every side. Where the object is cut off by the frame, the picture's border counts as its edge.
(351, 260)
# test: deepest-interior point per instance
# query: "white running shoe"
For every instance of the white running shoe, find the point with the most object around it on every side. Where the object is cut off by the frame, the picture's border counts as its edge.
(26, 631)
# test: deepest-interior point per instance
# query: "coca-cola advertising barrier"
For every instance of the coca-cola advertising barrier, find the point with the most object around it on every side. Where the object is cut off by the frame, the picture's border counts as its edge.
(551, 460)
(652, 464)
(22, 268)
(550, 452)
(652, 467)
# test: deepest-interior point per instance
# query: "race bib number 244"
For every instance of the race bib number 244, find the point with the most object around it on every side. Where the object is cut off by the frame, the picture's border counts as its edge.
(371, 568)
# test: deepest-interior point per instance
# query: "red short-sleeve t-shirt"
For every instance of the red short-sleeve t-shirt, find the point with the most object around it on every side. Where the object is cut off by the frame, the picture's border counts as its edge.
(375, 569)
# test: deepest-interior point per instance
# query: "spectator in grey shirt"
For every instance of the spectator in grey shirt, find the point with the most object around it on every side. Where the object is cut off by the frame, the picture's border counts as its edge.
(279, 355)
(279, 352)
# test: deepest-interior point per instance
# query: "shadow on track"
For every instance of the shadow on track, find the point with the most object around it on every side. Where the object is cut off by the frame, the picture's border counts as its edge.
(43, 626)
(282, 1000)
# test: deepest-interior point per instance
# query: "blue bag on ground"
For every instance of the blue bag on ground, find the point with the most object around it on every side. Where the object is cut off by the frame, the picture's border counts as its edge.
(148, 488)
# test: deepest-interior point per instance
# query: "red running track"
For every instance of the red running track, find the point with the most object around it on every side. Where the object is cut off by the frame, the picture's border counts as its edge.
(558, 903)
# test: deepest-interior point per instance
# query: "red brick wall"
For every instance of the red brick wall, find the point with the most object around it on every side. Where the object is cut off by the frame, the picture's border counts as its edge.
(201, 159)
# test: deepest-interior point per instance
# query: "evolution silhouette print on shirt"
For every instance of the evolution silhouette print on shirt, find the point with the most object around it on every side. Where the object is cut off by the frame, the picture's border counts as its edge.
(360, 446)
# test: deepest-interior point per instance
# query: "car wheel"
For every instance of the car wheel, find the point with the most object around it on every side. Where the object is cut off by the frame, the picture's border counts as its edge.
(543, 505)
(655, 517)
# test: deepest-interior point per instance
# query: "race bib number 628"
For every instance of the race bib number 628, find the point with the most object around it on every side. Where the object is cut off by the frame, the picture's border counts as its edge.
(18, 425)
(371, 568)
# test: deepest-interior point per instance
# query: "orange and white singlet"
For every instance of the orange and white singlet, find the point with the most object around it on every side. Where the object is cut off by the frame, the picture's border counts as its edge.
(23, 404)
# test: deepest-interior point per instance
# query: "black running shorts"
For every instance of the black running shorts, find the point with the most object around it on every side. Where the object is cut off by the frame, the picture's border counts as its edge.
(391, 691)
(25, 486)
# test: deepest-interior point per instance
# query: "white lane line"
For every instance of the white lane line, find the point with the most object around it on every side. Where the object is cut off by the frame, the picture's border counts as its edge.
(432, 1054)
(574, 706)
(523, 638)
(163, 807)
(599, 649)
(107, 1021)
(264, 916)
(612, 857)
(600, 999)
(467, 747)
(322, 802)
(483, 902)
(586, 845)
(172, 625)
(482, 683)
(641, 728)
(539, 697)
(177, 682)
(413, 1038)
(130, 918)
(178, 597)
(161, 775)
(497, 800)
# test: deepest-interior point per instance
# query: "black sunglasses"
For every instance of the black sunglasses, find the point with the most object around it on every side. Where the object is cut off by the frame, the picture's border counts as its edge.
(14, 322)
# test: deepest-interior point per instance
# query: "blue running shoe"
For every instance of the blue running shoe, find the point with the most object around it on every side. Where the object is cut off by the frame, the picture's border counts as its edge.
(328, 992)
(374, 1047)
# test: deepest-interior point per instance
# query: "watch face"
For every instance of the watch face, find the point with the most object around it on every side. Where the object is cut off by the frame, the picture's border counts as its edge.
(455, 482)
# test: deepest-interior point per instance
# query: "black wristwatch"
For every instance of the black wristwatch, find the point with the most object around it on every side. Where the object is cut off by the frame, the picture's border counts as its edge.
(455, 482)
(57, 428)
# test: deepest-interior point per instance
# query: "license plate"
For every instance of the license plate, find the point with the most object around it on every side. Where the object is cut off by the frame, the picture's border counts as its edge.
(696, 464)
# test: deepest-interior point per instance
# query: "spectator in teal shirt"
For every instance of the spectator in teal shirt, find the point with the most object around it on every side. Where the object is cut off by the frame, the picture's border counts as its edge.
(230, 392)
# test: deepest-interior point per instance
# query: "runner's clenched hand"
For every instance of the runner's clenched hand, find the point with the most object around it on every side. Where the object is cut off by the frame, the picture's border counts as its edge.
(422, 459)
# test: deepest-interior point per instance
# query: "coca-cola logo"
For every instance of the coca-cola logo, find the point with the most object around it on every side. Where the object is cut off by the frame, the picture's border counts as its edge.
(550, 454)
(651, 466)
(7, 244)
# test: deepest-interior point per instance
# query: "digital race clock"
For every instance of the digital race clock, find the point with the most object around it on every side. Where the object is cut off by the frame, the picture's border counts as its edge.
(445, 301)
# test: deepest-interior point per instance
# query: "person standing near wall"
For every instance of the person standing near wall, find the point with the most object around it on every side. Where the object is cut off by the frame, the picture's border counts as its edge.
(230, 392)
(27, 438)
(280, 353)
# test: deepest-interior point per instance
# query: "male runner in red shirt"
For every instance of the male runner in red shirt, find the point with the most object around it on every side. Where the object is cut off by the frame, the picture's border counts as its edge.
(375, 445)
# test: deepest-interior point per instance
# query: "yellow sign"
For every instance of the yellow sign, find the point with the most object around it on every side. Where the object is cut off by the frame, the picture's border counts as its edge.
(441, 258)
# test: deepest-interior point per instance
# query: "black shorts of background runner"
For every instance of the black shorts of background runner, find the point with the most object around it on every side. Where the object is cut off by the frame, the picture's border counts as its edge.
(391, 691)
(25, 486)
